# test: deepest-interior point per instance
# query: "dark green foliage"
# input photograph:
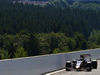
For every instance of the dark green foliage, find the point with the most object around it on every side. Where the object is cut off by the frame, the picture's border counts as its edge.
(95, 37)
(80, 41)
(28, 44)
(36, 19)
(29, 30)
(20, 52)
(19, 45)
(32, 45)
(4, 54)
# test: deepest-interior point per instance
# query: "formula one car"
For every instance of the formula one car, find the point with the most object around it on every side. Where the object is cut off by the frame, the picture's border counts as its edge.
(84, 63)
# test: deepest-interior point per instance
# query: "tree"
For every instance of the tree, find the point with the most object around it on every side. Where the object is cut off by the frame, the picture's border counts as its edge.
(8, 44)
(71, 43)
(44, 43)
(80, 41)
(57, 50)
(4, 54)
(95, 36)
(32, 45)
(20, 52)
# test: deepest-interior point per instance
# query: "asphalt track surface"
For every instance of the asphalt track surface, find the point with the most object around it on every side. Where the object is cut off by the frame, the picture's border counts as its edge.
(93, 72)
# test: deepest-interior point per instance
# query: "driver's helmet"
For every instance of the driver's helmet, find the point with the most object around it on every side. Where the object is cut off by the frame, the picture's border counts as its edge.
(82, 57)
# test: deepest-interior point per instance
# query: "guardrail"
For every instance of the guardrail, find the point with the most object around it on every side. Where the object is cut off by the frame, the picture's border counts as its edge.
(41, 64)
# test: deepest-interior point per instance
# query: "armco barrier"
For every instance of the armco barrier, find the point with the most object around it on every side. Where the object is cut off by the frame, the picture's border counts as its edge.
(41, 64)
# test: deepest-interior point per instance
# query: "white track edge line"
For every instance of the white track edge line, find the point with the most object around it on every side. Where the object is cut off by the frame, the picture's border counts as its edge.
(55, 72)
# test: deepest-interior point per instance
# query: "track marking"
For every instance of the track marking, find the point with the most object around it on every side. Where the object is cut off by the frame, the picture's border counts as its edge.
(55, 72)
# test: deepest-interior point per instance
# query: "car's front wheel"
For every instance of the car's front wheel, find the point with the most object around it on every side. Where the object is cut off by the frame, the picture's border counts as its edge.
(68, 66)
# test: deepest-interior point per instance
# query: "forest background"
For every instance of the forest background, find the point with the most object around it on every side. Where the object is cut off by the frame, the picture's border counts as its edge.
(57, 27)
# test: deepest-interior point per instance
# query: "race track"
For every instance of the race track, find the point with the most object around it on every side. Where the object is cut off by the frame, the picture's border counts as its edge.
(93, 72)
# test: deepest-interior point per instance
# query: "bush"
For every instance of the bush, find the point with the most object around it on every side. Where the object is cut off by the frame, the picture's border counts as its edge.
(20, 52)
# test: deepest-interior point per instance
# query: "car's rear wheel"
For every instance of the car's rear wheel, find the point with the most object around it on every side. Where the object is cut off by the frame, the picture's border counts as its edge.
(88, 67)
(94, 64)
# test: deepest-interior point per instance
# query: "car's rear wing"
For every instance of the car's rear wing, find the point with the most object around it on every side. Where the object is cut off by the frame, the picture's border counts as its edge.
(83, 56)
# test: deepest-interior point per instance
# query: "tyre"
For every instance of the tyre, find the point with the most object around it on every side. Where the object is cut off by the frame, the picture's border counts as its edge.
(94, 64)
(68, 66)
(74, 64)
(89, 67)
(68, 69)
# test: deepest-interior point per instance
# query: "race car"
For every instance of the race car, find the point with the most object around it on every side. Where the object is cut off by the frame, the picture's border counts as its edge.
(84, 63)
